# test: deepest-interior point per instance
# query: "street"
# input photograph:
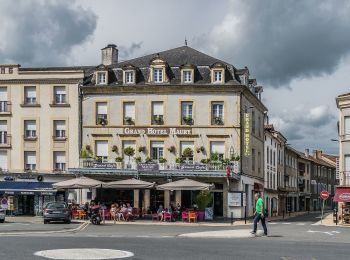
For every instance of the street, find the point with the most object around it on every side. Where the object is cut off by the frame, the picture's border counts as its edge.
(295, 238)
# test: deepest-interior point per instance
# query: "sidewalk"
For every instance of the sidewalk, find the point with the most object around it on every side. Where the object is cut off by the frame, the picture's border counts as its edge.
(328, 222)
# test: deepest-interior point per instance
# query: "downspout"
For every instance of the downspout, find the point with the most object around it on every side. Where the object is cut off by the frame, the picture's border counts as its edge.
(80, 138)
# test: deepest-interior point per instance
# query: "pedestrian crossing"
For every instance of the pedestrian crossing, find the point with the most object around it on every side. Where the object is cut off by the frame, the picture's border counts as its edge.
(289, 223)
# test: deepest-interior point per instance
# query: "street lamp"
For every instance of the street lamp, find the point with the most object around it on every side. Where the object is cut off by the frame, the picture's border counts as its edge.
(232, 152)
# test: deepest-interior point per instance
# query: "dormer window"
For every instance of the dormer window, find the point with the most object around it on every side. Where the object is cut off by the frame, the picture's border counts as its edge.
(101, 78)
(187, 76)
(129, 77)
(158, 75)
(217, 76)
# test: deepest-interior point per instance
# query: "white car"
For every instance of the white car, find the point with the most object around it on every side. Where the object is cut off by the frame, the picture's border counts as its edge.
(2, 215)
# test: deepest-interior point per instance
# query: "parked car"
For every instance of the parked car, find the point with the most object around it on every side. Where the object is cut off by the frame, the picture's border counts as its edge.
(2, 215)
(57, 211)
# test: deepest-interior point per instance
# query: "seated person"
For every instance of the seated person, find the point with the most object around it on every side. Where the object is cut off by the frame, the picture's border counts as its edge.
(130, 215)
(124, 211)
(113, 211)
(160, 212)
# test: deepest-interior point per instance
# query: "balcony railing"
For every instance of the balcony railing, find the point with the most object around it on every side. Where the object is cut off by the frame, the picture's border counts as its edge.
(132, 165)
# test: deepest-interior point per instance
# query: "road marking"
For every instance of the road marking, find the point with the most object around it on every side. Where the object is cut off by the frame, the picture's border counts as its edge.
(301, 224)
(84, 253)
(337, 232)
(286, 223)
(273, 223)
(328, 233)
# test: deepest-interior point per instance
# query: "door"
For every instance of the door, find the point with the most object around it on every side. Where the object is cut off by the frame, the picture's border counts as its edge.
(218, 204)
(26, 205)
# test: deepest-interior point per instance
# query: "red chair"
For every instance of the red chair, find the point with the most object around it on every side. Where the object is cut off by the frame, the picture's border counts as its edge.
(107, 214)
(192, 216)
(184, 216)
(167, 216)
(155, 216)
(75, 214)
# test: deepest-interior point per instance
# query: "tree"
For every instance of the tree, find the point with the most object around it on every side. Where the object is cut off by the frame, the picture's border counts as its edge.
(129, 151)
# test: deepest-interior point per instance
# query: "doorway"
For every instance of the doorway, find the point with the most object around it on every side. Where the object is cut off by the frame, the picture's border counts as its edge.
(25, 205)
(218, 204)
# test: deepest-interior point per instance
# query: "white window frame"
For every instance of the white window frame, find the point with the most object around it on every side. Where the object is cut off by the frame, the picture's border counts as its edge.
(101, 80)
(30, 165)
(157, 150)
(60, 165)
(60, 95)
(60, 132)
(129, 76)
(158, 75)
(216, 112)
(30, 133)
(30, 99)
(217, 76)
(187, 76)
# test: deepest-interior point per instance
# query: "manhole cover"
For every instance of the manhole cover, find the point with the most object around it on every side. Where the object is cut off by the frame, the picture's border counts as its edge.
(84, 253)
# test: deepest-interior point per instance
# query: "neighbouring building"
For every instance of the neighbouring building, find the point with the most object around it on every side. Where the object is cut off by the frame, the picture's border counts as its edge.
(185, 113)
(291, 180)
(39, 132)
(304, 178)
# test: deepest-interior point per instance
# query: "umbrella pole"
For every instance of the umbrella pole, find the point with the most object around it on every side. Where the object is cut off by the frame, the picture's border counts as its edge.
(101, 193)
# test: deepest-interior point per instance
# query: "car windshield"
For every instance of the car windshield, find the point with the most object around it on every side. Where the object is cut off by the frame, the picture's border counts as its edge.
(56, 206)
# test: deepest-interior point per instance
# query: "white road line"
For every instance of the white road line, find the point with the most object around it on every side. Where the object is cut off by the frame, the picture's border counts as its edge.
(337, 232)
(301, 224)
(328, 233)
(285, 223)
(273, 223)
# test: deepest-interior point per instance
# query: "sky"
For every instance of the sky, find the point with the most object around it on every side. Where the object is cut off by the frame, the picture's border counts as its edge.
(299, 51)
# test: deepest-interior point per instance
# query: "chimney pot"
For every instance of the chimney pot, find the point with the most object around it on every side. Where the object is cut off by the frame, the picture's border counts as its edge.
(109, 55)
(307, 152)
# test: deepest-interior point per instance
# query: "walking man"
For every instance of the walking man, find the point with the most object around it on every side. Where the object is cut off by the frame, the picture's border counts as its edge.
(259, 214)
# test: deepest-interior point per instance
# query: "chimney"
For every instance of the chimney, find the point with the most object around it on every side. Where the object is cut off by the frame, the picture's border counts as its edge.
(318, 154)
(109, 55)
(307, 152)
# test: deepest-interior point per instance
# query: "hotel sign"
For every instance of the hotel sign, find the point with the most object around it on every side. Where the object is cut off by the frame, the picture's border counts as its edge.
(157, 131)
(246, 130)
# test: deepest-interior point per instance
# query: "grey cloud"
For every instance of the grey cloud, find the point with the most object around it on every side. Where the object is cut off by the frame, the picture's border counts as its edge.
(41, 33)
(127, 52)
(282, 40)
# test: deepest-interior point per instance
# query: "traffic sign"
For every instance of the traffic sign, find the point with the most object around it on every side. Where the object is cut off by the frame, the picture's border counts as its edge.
(324, 195)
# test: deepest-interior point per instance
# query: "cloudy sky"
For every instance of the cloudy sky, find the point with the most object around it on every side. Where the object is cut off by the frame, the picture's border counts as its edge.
(297, 50)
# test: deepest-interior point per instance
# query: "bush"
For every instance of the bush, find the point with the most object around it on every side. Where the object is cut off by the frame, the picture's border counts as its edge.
(119, 159)
(205, 161)
(138, 159)
(129, 151)
(188, 152)
(180, 160)
(214, 157)
(203, 200)
(162, 160)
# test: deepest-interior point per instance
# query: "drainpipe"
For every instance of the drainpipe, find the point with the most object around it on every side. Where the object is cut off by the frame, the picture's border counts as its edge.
(80, 111)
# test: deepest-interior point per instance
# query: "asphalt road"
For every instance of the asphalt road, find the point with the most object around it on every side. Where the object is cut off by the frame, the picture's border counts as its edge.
(289, 239)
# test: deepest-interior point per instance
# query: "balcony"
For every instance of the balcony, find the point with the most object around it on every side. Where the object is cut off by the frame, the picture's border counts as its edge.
(167, 168)
(5, 108)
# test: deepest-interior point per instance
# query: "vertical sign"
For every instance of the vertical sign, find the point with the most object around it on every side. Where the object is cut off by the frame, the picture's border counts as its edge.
(246, 124)
(337, 168)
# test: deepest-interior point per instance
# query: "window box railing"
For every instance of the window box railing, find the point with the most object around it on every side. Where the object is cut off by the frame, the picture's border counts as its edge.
(157, 119)
(129, 121)
(102, 120)
(187, 120)
(218, 120)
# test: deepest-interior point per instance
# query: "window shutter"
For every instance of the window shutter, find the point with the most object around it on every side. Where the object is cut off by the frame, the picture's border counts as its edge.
(60, 90)
(218, 147)
(30, 125)
(102, 108)
(102, 148)
(60, 125)
(3, 94)
(3, 160)
(3, 126)
(31, 158)
(157, 144)
(158, 108)
(31, 92)
(129, 110)
(60, 157)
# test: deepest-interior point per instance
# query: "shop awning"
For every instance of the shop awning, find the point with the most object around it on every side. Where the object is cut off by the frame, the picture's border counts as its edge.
(26, 188)
(129, 184)
(78, 183)
(185, 184)
(342, 195)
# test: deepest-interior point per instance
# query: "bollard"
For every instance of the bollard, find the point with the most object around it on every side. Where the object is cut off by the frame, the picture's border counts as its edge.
(245, 216)
(231, 218)
(336, 216)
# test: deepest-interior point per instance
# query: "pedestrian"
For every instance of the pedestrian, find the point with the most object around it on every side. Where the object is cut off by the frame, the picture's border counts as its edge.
(259, 214)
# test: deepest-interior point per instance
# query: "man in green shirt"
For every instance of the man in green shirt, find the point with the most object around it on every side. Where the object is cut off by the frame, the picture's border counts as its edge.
(259, 214)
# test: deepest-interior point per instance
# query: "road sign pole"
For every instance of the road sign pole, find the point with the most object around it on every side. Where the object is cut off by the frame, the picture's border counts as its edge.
(322, 210)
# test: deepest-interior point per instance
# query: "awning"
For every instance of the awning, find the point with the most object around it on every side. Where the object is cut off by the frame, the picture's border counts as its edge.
(342, 195)
(26, 188)
(78, 183)
(129, 184)
(185, 184)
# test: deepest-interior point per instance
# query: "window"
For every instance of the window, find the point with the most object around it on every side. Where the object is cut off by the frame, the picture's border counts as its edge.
(3, 160)
(347, 125)
(253, 160)
(267, 154)
(3, 99)
(129, 77)
(253, 124)
(30, 95)
(274, 158)
(60, 129)
(101, 150)
(158, 75)
(101, 113)
(2, 70)
(30, 161)
(259, 162)
(157, 150)
(129, 113)
(259, 127)
(187, 149)
(217, 113)
(347, 169)
(30, 129)
(217, 148)
(217, 76)
(60, 95)
(3, 132)
(187, 113)
(101, 78)
(60, 161)
(10, 70)
(187, 76)
(157, 113)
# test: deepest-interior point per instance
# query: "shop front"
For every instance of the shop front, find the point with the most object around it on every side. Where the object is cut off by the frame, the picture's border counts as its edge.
(28, 198)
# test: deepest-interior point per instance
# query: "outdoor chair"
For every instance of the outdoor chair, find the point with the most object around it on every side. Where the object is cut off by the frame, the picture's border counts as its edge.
(167, 216)
(192, 216)
(184, 216)
(155, 216)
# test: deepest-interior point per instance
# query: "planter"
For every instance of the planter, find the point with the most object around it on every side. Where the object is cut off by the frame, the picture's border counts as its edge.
(200, 215)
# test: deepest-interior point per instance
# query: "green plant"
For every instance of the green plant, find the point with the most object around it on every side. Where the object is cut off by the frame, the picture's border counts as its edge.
(218, 121)
(200, 149)
(225, 161)
(102, 121)
(188, 120)
(171, 149)
(214, 157)
(98, 159)
(115, 149)
(158, 119)
(119, 159)
(129, 151)
(142, 149)
(129, 120)
(84, 153)
(188, 152)
(162, 160)
(138, 159)
(203, 199)
(148, 160)
(205, 161)
(180, 160)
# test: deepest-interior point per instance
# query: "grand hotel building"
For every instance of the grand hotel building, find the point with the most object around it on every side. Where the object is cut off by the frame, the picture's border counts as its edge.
(175, 109)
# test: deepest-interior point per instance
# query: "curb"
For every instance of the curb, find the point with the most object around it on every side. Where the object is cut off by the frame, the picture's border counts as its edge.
(73, 230)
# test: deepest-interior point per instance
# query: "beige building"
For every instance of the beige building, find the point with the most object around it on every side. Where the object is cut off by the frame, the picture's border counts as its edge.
(185, 113)
(39, 132)
(291, 180)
